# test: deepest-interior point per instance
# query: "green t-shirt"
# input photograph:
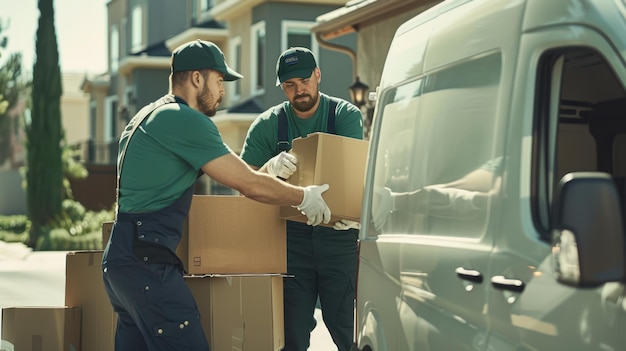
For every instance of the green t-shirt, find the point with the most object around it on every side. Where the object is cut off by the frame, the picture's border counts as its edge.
(165, 155)
(262, 139)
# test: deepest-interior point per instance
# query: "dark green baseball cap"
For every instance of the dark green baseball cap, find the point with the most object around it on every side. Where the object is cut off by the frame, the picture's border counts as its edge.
(201, 54)
(295, 62)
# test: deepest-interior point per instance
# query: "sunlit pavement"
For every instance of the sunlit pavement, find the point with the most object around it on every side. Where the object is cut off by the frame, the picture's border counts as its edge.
(38, 279)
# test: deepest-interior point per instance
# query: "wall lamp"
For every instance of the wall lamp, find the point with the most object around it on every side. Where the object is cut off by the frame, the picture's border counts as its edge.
(358, 92)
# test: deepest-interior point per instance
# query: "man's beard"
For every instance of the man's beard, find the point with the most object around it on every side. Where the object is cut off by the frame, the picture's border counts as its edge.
(304, 105)
(205, 101)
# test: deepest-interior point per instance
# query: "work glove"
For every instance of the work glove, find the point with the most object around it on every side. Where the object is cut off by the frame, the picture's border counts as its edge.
(382, 206)
(313, 205)
(282, 165)
(346, 224)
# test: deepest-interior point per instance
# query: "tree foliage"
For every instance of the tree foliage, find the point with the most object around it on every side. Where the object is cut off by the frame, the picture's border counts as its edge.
(13, 88)
(3, 43)
(44, 176)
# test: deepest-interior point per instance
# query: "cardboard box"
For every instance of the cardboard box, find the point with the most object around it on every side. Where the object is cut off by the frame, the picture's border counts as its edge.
(335, 160)
(233, 235)
(230, 235)
(84, 288)
(42, 328)
(243, 313)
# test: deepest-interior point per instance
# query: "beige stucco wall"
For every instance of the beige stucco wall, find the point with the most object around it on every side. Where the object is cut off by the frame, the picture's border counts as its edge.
(373, 43)
(75, 119)
(74, 108)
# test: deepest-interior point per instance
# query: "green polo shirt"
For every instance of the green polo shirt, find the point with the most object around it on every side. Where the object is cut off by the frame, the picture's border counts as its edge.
(165, 155)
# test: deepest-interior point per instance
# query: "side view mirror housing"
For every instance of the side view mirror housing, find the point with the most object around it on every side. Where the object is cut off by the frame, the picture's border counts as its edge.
(588, 234)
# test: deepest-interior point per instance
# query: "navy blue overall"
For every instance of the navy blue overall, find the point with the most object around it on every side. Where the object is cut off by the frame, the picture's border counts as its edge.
(144, 278)
(321, 264)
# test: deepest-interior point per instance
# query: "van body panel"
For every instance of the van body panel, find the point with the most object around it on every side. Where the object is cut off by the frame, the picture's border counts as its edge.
(488, 104)
(472, 29)
(605, 16)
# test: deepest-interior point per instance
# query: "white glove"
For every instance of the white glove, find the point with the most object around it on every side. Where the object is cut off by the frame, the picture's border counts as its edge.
(382, 206)
(313, 205)
(282, 165)
(346, 224)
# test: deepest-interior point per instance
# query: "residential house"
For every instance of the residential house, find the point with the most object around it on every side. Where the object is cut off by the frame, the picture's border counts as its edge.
(252, 34)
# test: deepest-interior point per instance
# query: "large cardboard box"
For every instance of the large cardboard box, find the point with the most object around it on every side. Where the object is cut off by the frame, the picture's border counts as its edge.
(233, 235)
(243, 313)
(230, 235)
(335, 160)
(42, 328)
(84, 288)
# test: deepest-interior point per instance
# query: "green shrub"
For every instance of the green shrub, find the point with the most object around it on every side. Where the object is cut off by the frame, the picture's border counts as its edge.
(60, 240)
(75, 229)
(16, 224)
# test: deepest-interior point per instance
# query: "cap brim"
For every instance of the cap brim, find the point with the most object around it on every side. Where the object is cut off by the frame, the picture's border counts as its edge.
(301, 73)
(231, 74)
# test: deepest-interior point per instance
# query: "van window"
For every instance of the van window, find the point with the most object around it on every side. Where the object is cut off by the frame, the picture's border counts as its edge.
(436, 160)
(580, 122)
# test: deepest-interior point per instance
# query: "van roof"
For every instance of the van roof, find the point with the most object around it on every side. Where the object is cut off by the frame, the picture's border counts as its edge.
(455, 29)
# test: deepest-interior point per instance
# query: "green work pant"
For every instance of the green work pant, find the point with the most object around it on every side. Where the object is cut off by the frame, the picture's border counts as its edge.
(321, 263)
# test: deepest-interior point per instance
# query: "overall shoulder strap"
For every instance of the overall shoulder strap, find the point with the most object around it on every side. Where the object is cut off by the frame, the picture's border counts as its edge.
(134, 123)
(283, 130)
(332, 105)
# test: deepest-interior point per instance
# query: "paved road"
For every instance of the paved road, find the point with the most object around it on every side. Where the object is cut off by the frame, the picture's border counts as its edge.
(38, 279)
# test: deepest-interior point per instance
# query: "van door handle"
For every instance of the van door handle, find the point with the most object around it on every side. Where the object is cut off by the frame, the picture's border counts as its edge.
(501, 282)
(469, 274)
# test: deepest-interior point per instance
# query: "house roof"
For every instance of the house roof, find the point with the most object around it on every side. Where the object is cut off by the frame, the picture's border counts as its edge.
(211, 23)
(250, 105)
(361, 13)
(228, 9)
(72, 84)
(158, 49)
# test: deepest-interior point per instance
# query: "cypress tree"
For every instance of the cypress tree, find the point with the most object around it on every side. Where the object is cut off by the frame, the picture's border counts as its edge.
(44, 176)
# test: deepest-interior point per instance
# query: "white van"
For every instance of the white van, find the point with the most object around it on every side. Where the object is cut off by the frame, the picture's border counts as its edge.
(492, 214)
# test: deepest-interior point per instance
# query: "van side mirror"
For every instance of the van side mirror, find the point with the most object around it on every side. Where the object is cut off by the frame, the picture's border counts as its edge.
(588, 236)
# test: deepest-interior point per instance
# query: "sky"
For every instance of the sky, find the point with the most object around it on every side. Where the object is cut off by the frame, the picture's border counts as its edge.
(80, 27)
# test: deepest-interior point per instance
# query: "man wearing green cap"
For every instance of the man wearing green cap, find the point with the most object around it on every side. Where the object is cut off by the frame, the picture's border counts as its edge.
(322, 260)
(163, 150)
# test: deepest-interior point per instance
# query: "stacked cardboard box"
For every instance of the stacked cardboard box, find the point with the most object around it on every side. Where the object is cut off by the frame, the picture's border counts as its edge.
(42, 328)
(242, 312)
(84, 288)
(233, 235)
(230, 235)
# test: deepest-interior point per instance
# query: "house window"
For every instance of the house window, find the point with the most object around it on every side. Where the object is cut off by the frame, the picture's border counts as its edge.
(110, 118)
(206, 5)
(258, 58)
(137, 28)
(200, 6)
(114, 50)
(235, 63)
(297, 33)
